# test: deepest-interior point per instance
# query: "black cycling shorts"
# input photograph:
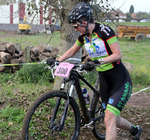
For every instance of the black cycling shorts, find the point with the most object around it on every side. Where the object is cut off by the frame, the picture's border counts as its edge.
(115, 88)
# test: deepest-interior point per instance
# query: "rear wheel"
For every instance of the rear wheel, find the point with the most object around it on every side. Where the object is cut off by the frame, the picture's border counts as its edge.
(99, 126)
(38, 122)
(139, 37)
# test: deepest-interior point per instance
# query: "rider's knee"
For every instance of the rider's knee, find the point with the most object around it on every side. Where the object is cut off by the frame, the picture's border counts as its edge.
(110, 118)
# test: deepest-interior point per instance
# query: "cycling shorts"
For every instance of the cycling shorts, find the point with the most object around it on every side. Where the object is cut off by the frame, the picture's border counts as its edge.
(115, 88)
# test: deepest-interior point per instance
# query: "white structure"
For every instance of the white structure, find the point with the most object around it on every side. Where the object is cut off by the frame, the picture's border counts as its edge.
(5, 15)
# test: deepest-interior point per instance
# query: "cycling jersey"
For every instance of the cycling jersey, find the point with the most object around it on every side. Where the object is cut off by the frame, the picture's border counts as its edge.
(102, 36)
(115, 81)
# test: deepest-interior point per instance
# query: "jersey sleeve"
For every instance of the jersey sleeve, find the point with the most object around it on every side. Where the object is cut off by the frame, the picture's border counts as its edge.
(109, 34)
(80, 41)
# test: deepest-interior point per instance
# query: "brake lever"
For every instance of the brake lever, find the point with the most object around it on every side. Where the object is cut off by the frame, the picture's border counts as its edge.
(80, 69)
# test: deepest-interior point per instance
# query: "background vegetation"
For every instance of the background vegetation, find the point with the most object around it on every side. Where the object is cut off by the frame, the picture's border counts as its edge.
(18, 90)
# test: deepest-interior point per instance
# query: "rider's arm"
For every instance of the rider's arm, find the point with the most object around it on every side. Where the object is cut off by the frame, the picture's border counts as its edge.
(116, 53)
(71, 52)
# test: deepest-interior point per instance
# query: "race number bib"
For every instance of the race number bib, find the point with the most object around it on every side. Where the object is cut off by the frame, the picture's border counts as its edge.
(63, 69)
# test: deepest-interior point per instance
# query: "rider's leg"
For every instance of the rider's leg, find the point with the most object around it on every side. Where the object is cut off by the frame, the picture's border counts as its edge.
(126, 125)
(110, 124)
(123, 123)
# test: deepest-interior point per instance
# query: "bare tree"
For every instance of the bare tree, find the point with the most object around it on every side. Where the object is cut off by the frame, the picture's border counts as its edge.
(62, 8)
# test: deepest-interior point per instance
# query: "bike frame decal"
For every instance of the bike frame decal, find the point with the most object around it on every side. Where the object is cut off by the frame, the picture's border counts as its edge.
(63, 69)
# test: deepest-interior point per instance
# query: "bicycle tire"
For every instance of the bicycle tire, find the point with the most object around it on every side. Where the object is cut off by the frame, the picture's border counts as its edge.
(37, 128)
(99, 126)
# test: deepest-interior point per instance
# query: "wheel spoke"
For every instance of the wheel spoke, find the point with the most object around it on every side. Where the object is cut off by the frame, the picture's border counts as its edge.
(45, 125)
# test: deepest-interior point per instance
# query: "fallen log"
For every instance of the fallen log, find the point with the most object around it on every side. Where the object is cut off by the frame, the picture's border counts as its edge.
(10, 48)
(2, 48)
(2, 68)
(5, 58)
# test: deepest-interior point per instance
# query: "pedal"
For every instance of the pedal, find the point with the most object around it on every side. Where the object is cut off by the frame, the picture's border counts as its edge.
(89, 125)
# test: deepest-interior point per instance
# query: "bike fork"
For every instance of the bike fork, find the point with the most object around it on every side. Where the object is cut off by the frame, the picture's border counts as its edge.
(66, 109)
(55, 111)
(61, 125)
(63, 115)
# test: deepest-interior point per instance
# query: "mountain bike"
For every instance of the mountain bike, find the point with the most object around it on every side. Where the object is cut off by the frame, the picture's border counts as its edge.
(60, 114)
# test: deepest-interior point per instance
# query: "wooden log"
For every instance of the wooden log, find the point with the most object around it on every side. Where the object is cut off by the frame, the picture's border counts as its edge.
(42, 57)
(2, 68)
(15, 55)
(2, 48)
(5, 57)
(21, 53)
(22, 59)
(54, 52)
(15, 67)
(18, 48)
(35, 52)
(47, 54)
(33, 57)
(48, 48)
(10, 48)
(41, 47)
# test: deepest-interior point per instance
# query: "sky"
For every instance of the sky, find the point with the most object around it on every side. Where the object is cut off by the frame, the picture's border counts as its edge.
(139, 5)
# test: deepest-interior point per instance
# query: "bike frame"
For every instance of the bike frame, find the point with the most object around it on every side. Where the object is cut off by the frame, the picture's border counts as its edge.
(75, 78)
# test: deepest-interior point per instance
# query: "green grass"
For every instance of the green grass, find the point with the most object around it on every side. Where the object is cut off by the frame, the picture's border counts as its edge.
(16, 97)
(135, 23)
(33, 40)
(14, 102)
(134, 52)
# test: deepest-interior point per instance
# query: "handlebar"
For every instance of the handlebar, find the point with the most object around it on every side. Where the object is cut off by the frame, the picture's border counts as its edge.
(78, 67)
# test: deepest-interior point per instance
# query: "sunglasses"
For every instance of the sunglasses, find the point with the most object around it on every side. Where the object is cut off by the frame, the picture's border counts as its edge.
(75, 26)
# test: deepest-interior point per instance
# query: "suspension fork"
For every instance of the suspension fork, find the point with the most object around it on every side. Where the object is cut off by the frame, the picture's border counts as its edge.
(66, 106)
(63, 116)
(55, 111)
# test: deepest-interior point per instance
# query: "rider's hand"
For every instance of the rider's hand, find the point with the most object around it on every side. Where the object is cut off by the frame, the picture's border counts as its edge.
(52, 62)
(91, 65)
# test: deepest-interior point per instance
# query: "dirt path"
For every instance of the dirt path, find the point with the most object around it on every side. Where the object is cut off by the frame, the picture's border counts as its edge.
(137, 112)
(140, 100)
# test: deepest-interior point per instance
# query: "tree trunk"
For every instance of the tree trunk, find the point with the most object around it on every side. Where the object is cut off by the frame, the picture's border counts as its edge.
(68, 35)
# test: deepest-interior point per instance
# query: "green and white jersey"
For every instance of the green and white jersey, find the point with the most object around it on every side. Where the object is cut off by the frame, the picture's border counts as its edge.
(101, 38)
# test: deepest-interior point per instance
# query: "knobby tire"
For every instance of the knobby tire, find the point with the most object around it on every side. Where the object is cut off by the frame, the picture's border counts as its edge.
(38, 117)
(99, 126)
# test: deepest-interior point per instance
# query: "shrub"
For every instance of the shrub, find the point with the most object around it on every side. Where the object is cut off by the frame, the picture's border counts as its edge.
(33, 74)
(5, 77)
(141, 76)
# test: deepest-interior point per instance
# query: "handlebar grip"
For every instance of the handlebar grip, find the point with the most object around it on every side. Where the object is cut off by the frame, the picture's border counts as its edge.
(91, 65)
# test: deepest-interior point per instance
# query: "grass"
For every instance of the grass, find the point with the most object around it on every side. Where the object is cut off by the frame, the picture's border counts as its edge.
(15, 98)
(134, 52)
(32, 40)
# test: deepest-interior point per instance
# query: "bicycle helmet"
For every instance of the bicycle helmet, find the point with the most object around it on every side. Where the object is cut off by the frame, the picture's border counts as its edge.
(81, 10)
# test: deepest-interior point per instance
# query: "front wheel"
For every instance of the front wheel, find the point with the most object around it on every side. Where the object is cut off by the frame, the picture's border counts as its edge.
(42, 120)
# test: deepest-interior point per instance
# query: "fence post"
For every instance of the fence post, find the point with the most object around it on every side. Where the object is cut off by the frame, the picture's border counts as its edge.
(27, 54)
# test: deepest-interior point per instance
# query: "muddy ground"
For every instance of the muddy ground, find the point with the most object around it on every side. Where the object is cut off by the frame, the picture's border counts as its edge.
(137, 111)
